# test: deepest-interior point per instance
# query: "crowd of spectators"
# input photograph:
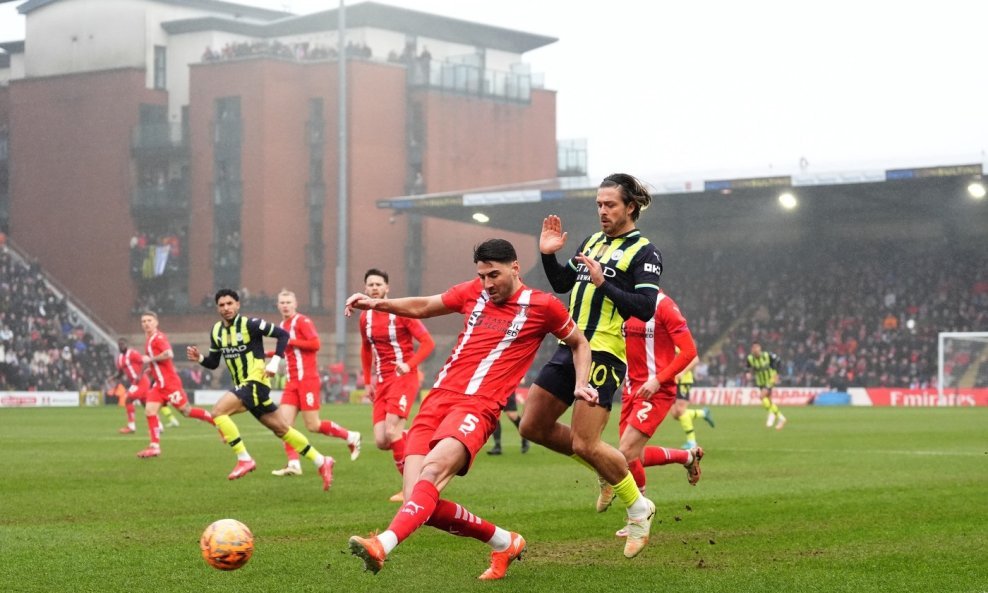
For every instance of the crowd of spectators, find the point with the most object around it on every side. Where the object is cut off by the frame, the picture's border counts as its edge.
(302, 51)
(158, 263)
(836, 317)
(41, 346)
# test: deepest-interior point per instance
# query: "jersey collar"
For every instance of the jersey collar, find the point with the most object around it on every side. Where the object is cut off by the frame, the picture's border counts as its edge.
(632, 233)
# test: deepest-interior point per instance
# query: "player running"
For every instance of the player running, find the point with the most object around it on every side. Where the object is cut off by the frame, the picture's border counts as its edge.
(239, 342)
(130, 368)
(658, 351)
(765, 370)
(167, 389)
(303, 390)
(390, 367)
(504, 323)
(613, 276)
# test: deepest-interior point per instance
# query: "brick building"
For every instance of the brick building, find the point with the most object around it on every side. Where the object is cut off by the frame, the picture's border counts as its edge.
(159, 149)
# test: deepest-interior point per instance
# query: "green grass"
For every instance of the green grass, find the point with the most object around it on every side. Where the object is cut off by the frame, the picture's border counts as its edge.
(843, 499)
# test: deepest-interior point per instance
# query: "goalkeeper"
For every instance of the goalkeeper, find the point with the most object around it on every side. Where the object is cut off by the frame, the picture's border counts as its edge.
(239, 341)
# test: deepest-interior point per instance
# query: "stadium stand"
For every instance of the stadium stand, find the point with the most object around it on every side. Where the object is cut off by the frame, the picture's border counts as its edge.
(867, 316)
(42, 345)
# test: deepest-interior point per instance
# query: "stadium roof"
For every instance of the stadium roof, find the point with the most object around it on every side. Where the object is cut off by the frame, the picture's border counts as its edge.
(519, 207)
(233, 9)
(373, 14)
(13, 47)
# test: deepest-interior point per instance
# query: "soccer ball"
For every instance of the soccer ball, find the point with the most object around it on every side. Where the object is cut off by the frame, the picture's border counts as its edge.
(227, 544)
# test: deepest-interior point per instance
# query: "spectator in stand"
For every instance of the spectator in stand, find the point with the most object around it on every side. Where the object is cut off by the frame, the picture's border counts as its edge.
(41, 347)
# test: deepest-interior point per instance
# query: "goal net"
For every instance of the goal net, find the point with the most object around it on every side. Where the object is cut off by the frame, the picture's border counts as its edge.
(962, 360)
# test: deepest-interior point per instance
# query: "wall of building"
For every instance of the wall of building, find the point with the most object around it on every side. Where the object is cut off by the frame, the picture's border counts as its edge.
(77, 38)
(71, 180)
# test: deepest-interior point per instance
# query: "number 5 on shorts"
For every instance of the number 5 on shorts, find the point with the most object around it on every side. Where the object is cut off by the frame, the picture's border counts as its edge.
(469, 424)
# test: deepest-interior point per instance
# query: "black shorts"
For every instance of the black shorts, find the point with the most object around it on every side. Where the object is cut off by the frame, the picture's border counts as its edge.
(256, 397)
(511, 405)
(683, 391)
(558, 376)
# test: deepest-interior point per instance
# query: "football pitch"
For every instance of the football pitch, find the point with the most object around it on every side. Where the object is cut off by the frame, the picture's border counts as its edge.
(842, 499)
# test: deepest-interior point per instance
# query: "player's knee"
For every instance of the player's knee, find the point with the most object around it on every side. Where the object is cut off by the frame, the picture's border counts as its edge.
(433, 472)
(527, 429)
(585, 448)
(383, 442)
(313, 427)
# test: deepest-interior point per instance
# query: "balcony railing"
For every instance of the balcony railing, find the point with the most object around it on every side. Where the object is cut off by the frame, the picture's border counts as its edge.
(472, 80)
(171, 195)
(228, 193)
(164, 136)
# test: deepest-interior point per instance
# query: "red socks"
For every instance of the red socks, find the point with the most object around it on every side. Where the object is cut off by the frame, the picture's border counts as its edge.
(398, 452)
(454, 519)
(154, 427)
(200, 414)
(416, 510)
(662, 456)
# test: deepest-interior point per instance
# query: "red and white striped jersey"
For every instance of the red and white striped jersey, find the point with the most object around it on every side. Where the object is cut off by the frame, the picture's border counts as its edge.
(389, 337)
(162, 371)
(498, 342)
(130, 363)
(303, 343)
(651, 345)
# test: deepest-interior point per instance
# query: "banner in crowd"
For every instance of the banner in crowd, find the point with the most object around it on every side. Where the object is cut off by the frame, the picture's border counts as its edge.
(39, 399)
(896, 397)
(751, 396)
(860, 396)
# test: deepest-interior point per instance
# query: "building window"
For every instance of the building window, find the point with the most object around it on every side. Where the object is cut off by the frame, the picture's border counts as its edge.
(160, 63)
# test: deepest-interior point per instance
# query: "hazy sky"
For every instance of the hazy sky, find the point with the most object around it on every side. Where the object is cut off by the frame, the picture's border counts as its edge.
(675, 89)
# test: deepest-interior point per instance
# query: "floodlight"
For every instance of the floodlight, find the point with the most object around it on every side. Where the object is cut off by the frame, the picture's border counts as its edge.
(977, 190)
(787, 200)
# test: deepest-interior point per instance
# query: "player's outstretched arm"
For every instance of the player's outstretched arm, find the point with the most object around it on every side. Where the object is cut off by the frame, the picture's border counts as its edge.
(418, 307)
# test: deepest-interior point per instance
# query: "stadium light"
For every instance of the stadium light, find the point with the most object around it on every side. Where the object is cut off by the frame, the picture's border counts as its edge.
(788, 200)
(481, 217)
(977, 190)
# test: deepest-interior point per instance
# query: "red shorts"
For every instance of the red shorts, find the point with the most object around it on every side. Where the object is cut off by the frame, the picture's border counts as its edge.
(449, 414)
(303, 394)
(395, 396)
(139, 391)
(171, 395)
(644, 415)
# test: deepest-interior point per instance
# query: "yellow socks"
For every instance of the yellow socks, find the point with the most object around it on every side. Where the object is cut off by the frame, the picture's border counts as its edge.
(301, 444)
(231, 434)
(686, 421)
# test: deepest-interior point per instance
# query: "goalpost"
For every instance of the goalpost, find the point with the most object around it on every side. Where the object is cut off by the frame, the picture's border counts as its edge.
(961, 358)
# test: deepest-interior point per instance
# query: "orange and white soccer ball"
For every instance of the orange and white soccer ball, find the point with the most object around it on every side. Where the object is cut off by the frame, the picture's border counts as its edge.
(227, 544)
